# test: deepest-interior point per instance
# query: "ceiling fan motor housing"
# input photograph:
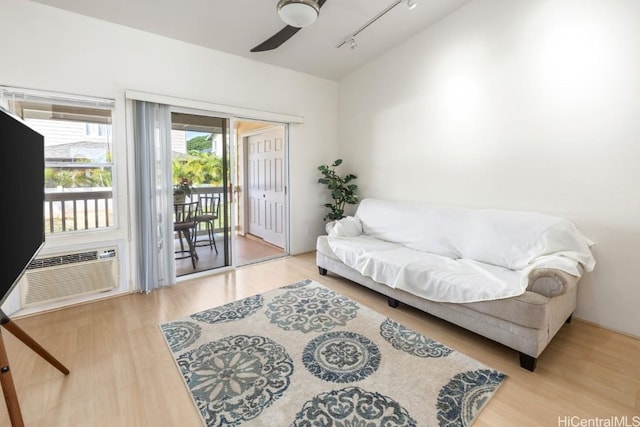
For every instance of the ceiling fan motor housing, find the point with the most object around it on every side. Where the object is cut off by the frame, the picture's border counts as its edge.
(298, 13)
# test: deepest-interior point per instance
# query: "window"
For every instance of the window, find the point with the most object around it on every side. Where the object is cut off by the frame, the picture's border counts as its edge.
(94, 130)
(78, 156)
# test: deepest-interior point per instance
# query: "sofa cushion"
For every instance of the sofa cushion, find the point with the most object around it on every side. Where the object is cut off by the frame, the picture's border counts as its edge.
(427, 275)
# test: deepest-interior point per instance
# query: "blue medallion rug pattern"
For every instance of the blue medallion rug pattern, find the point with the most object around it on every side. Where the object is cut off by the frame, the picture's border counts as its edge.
(353, 407)
(181, 334)
(232, 311)
(341, 357)
(412, 342)
(310, 309)
(304, 355)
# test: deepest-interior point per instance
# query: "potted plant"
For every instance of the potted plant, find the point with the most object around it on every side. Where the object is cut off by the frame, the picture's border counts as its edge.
(181, 190)
(343, 191)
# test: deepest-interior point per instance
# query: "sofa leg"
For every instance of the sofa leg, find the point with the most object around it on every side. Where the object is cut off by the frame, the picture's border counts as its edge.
(322, 271)
(393, 303)
(568, 319)
(528, 362)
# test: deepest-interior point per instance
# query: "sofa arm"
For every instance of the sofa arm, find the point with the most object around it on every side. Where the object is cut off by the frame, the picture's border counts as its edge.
(550, 282)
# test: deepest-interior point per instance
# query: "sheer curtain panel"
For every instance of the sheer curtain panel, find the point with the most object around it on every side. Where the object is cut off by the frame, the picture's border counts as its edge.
(153, 216)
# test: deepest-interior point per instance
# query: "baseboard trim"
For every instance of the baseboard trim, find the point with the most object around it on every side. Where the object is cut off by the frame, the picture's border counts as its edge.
(24, 314)
(606, 328)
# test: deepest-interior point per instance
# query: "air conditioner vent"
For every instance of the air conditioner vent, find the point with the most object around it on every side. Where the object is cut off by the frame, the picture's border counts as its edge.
(63, 259)
(67, 275)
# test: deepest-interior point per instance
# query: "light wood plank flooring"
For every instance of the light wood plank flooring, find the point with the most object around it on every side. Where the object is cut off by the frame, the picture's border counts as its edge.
(248, 249)
(122, 373)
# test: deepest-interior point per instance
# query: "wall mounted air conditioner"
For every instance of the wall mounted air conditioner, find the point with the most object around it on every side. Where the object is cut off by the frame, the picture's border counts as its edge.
(55, 277)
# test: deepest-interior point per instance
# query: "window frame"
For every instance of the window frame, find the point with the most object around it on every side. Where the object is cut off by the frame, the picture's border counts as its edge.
(74, 108)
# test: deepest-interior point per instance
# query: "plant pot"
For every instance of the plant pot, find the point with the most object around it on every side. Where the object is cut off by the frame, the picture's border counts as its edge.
(179, 198)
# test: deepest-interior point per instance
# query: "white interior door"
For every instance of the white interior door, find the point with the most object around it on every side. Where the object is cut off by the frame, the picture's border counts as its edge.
(266, 183)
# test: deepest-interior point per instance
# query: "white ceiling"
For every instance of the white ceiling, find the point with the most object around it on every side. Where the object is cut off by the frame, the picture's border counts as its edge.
(236, 26)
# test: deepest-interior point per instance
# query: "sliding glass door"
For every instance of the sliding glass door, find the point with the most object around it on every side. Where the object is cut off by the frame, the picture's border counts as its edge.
(201, 173)
(235, 170)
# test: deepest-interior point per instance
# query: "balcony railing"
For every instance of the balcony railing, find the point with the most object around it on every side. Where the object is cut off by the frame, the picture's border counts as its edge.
(73, 210)
(198, 192)
(79, 209)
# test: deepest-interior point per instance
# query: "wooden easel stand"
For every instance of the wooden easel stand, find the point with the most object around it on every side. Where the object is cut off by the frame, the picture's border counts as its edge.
(6, 380)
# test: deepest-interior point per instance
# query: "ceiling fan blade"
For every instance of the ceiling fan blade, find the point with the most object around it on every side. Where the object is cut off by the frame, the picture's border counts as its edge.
(277, 39)
(280, 37)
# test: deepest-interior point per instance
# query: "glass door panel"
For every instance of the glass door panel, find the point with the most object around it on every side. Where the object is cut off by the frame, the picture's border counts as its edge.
(200, 162)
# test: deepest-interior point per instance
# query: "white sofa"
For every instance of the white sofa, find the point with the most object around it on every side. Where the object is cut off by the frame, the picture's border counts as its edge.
(509, 276)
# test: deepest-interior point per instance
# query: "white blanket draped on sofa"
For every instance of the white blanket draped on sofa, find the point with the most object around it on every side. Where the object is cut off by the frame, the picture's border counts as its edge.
(457, 255)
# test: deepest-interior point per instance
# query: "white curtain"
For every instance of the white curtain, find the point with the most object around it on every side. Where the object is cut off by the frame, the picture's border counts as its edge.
(154, 219)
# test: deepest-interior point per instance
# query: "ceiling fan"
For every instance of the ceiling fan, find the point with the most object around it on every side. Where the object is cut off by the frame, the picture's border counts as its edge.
(297, 14)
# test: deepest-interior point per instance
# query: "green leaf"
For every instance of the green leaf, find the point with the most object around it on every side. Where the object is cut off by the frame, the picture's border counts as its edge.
(340, 192)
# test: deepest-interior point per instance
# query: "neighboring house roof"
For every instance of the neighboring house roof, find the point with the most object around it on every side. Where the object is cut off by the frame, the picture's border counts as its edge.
(93, 151)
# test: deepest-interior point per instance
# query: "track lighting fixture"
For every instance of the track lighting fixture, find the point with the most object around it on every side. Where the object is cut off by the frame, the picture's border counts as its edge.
(411, 4)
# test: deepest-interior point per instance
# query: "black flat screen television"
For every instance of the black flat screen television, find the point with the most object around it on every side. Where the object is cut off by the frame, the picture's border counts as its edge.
(22, 195)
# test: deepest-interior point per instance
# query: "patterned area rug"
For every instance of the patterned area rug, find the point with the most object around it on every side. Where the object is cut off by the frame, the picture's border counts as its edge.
(304, 355)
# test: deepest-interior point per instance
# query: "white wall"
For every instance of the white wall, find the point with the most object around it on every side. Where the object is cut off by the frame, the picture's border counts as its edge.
(49, 49)
(525, 105)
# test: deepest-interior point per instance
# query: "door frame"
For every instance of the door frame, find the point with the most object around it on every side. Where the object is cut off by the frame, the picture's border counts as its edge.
(198, 106)
(228, 247)
(241, 139)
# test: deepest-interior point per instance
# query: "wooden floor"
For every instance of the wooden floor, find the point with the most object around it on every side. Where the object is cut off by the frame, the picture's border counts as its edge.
(122, 373)
(248, 249)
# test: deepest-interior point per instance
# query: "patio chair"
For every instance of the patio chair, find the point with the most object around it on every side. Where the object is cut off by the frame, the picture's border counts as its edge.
(208, 212)
(184, 223)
